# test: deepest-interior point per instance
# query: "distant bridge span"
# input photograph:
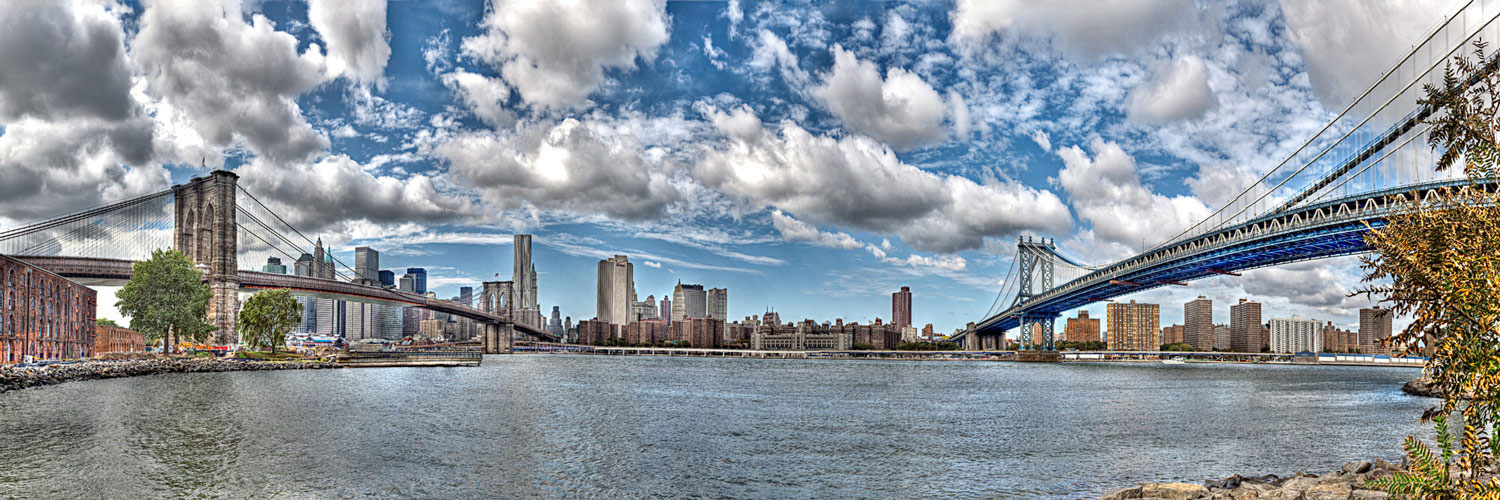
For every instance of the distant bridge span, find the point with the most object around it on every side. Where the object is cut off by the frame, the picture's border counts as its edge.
(115, 272)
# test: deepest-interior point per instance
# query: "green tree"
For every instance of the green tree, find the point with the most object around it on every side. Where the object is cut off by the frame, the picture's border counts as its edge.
(266, 318)
(1438, 262)
(166, 299)
(105, 322)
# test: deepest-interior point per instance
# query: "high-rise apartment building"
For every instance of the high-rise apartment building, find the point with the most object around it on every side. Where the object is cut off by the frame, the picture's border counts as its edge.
(1245, 327)
(1198, 323)
(1295, 334)
(418, 279)
(273, 266)
(1374, 325)
(666, 310)
(1221, 337)
(689, 301)
(718, 304)
(367, 264)
(1171, 334)
(616, 290)
(901, 307)
(1133, 326)
(1079, 329)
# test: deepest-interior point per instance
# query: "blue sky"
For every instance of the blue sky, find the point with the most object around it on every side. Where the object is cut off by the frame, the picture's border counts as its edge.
(811, 157)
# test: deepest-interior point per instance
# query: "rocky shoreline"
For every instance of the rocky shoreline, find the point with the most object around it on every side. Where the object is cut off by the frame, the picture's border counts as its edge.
(1347, 483)
(14, 378)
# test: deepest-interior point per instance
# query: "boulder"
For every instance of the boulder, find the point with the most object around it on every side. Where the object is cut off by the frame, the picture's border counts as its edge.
(1300, 483)
(1334, 491)
(1173, 491)
(1357, 467)
(1362, 494)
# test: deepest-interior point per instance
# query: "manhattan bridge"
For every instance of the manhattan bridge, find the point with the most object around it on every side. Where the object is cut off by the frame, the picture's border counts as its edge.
(1319, 202)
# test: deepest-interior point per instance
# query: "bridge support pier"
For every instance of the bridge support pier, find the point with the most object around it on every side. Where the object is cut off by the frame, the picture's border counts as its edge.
(206, 232)
(1037, 331)
(497, 338)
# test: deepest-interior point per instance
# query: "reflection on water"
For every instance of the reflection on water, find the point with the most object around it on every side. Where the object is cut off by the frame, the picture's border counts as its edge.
(568, 426)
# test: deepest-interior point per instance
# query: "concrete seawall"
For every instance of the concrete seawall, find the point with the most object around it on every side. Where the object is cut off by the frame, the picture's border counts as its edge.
(13, 378)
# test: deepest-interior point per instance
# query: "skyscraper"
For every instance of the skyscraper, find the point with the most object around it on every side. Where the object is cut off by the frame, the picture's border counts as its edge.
(689, 301)
(273, 266)
(555, 326)
(387, 278)
(1133, 326)
(367, 264)
(304, 265)
(616, 290)
(718, 304)
(407, 284)
(666, 310)
(1245, 327)
(1198, 324)
(901, 307)
(466, 295)
(1374, 325)
(320, 267)
(523, 274)
(418, 279)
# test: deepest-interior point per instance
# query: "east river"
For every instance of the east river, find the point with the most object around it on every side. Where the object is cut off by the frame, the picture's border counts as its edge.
(565, 426)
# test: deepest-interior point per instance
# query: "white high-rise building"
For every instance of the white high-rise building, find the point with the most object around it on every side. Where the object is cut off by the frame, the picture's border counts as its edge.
(330, 317)
(616, 292)
(367, 264)
(689, 301)
(1296, 335)
(717, 304)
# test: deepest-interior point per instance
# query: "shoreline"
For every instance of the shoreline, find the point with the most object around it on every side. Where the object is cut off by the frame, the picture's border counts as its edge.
(1346, 483)
(13, 378)
(998, 356)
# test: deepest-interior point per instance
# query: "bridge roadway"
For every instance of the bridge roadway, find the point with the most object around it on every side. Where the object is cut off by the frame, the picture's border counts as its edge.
(115, 272)
(1318, 230)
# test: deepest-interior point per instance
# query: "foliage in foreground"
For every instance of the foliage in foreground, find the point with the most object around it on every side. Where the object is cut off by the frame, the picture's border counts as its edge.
(1441, 260)
(166, 299)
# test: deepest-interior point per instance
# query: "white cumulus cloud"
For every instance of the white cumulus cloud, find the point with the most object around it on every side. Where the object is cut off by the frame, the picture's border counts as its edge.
(1179, 91)
(901, 109)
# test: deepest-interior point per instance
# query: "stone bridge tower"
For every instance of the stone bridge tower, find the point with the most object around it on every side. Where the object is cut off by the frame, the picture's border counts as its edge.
(206, 232)
(498, 297)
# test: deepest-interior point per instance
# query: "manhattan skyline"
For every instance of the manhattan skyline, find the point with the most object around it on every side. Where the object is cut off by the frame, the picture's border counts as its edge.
(814, 159)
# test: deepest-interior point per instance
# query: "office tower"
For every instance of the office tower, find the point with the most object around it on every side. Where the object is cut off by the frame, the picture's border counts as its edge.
(1133, 326)
(555, 325)
(407, 284)
(688, 302)
(387, 278)
(616, 290)
(718, 304)
(1079, 329)
(523, 275)
(1374, 325)
(330, 317)
(273, 266)
(666, 310)
(304, 265)
(321, 268)
(367, 265)
(361, 321)
(1245, 327)
(1198, 324)
(466, 295)
(1296, 335)
(901, 307)
(419, 279)
(391, 322)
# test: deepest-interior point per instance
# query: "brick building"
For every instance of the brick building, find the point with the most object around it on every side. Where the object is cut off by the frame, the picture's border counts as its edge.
(117, 339)
(1079, 329)
(43, 315)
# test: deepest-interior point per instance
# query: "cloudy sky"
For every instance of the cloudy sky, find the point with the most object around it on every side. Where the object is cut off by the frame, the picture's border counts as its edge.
(811, 157)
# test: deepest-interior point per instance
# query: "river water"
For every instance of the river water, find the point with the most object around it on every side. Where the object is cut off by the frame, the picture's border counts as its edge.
(567, 426)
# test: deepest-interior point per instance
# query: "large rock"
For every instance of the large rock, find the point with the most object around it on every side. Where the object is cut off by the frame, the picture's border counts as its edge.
(1173, 491)
(1369, 495)
(1300, 483)
(1333, 491)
